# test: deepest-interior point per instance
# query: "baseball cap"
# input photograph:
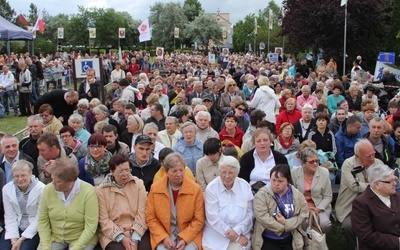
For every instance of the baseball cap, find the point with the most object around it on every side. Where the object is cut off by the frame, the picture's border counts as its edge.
(143, 139)
(207, 97)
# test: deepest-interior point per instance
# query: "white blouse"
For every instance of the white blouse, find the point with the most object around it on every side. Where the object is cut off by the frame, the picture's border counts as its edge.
(226, 209)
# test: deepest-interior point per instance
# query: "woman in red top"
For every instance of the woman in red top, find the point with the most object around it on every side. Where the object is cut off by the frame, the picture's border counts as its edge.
(286, 94)
(133, 67)
(290, 115)
(231, 132)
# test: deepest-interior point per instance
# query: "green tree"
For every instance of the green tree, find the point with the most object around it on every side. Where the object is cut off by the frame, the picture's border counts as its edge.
(204, 28)
(33, 14)
(316, 24)
(192, 9)
(6, 11)
(244, 30)
(164, 17)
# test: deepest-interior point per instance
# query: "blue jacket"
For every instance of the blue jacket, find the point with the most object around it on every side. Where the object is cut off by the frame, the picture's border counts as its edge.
(191, 153)
(345, 144)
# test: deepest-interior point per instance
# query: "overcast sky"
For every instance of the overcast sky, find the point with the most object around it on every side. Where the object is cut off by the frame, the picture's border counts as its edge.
(140, 9)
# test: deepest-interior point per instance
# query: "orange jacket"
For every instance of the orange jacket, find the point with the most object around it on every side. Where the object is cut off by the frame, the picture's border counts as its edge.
(189, 209)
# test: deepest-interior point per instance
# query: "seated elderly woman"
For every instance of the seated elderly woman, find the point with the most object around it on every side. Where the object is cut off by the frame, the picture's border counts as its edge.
(21, 199)
(90, 120)
(280, 210)
(122, 203)
(94, 167)
(203, 128)
(373, 216)
(313, 181)
(179, 225)
(286, 143)
(189, 146)
(229, 209)
(225, 99)
(76, 122)
(134, 127)
(161, 172)
(82, 108)
(69, 210)
(51, 123)
(69, 141)
(102, 113)
(150, 100)
(290, 114)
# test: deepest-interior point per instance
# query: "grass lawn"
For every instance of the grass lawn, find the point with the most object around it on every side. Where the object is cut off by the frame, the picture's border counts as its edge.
(11, 124)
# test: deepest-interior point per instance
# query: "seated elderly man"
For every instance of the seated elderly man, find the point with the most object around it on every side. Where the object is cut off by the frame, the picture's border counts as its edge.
(354, 181)
(203, 128)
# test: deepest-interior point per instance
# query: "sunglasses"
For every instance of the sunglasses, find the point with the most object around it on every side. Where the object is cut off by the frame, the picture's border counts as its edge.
(244, 110)
(313, 162)
(230, 85)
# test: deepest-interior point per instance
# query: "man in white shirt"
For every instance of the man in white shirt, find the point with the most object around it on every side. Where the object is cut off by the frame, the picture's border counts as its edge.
(7, 90)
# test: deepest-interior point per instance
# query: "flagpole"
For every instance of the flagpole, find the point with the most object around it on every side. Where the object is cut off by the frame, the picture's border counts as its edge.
(33, 46)
(345, 40)
(268, 39)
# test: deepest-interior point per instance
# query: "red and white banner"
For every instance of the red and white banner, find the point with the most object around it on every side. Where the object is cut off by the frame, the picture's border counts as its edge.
(40, 24)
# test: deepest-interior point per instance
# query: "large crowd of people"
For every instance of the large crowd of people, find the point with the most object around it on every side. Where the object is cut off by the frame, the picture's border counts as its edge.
(183, 153)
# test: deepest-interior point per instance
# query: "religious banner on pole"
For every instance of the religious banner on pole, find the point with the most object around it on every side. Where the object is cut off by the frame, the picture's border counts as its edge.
(144, 31)
(271, 19)
(60, 33)
(121, 33)
(176, 32)
(92, 32)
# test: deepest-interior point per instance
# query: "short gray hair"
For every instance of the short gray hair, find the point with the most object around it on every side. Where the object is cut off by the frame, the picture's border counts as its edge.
(229, 161)
(22, 165)
(306, 153)
(172, 118)
(359, 143)
(196, 101)
(377, 119)
(188, 124)
(149, 126)
(307, 106)
(203, 113)
(8, 137)
(83, 101)
(75, 117)
(171, 160)
(101, 109)
(378, 172)
(36, 118)
(306, 88)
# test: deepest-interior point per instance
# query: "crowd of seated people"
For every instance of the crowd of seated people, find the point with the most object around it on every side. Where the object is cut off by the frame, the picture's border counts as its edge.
(187, 156)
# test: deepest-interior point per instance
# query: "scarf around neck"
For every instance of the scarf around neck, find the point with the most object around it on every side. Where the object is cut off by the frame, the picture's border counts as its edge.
(94, 168)
(283, 143)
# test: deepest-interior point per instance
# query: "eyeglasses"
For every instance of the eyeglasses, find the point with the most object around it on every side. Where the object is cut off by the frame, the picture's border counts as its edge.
(122, 171)
(227, 173)
(96, 146)
(313, 162)
(393, 181)
(65, 136)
